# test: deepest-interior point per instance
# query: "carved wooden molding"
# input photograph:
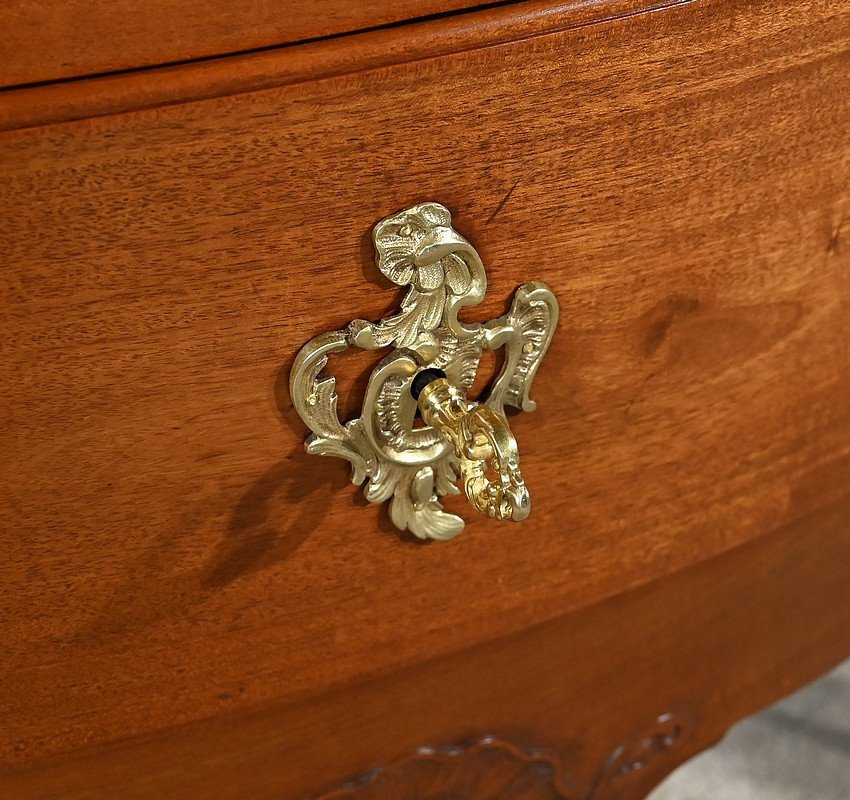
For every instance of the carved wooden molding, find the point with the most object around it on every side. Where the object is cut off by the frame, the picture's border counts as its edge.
(661, 736)
(487, 767)
(497, 767)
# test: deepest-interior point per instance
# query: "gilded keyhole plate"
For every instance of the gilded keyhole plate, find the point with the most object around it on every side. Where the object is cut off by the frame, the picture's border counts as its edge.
(410, 466)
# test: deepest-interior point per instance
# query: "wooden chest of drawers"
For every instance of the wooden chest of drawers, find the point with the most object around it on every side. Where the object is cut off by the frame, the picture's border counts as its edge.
(193, 606)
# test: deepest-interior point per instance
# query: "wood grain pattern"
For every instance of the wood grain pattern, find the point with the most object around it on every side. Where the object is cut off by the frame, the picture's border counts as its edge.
(713, 642)
(83, 99)
(48, 40)
(680, 179)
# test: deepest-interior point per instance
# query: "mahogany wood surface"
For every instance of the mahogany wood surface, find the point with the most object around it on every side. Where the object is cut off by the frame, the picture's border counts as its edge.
(172, 557)
(499, 25)
(48, 40)
(574, 702)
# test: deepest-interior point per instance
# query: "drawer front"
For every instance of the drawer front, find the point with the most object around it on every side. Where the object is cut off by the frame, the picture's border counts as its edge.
(49, 40)
(174, 554)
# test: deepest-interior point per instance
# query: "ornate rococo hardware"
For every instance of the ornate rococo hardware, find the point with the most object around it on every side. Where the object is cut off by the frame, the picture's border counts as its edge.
(431, 367)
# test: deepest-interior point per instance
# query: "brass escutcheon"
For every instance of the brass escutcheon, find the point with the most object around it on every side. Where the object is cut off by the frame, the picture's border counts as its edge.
(431, 364)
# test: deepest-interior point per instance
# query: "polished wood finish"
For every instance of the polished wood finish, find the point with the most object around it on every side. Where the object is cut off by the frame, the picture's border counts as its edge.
(178, 570)
(48, 40)
(502, 25)
(706, 645)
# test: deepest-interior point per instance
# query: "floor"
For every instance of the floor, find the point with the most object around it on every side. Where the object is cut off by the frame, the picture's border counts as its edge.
(797, 750)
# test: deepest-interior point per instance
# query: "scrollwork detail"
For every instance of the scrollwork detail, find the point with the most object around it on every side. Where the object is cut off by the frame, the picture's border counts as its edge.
(413, 467)
(493, 766)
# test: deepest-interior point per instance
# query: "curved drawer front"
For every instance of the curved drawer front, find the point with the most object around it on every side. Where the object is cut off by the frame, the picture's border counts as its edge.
(49, 40)
(164, 265)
